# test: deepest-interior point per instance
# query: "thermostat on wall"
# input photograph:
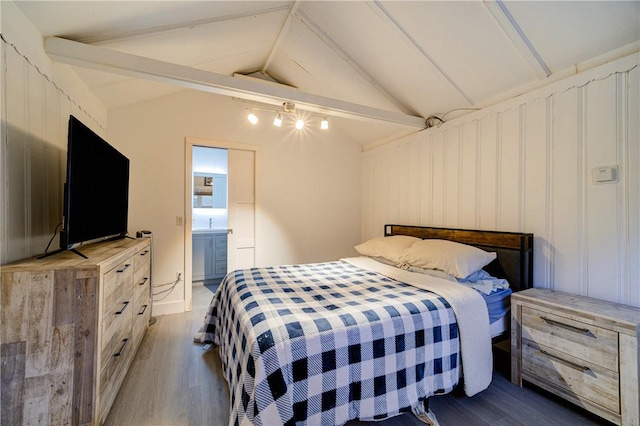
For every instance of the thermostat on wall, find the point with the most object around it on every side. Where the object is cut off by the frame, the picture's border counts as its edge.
(605, 174)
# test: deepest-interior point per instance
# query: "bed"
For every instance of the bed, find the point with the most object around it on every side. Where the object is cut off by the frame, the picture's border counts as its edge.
(365, 337)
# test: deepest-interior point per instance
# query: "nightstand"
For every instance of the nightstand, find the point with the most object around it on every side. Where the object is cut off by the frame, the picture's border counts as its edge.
(582, 349)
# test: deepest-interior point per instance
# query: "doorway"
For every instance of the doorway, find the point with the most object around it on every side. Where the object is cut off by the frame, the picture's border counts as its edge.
(208, 221)
(220, 214)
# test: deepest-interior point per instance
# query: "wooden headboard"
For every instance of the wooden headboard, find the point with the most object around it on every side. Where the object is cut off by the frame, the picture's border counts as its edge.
(514, 250)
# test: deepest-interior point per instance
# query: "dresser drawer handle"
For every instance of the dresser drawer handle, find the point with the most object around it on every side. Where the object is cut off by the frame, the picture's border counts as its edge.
(565, 362)
(124, 306)
(124, 268)
(144, 308)
(124, 343)
(144, 253)
(584, 331)
(143, 281)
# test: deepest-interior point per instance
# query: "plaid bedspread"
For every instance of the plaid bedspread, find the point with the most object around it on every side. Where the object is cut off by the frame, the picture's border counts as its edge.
(325, 343)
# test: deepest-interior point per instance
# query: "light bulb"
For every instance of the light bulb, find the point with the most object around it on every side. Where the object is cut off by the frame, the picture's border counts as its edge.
(278, 120)
(299, 123)
(253, 119)
(324, 124)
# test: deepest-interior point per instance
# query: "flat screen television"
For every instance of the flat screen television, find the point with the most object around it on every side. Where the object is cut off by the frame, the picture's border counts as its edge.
(96, 192)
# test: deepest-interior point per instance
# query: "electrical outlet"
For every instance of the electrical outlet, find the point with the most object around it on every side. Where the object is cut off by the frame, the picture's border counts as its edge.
(178, 276)
(179, 221)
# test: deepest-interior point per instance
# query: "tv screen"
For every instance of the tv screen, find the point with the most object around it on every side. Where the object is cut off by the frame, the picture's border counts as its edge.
(96, 190)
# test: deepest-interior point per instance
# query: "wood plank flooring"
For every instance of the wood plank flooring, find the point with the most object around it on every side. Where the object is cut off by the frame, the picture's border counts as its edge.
(174, 381)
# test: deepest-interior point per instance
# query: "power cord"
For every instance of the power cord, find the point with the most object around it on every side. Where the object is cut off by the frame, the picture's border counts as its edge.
(431, 120)
(167, 291)
(55, 232)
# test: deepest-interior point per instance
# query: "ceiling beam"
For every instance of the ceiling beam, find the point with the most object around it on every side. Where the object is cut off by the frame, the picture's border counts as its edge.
(326, 39)
(107, 60)
(127, 35)
(281, 35)
(518, 38)
(377, 7)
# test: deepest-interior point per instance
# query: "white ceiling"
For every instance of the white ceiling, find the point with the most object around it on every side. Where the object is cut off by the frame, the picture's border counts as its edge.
(418, 58)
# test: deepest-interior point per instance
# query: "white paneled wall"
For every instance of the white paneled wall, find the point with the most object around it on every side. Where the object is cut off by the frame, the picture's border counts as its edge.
(526, 165)
(37, 99)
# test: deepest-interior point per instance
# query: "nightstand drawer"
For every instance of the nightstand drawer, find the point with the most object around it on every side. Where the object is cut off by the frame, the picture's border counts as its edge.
(588, 342)
(582, 380)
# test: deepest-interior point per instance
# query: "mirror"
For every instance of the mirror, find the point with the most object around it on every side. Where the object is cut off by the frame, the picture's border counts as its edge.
(209, 190)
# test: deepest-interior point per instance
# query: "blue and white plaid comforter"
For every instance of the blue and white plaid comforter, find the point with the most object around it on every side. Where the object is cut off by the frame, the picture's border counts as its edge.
(326, 343)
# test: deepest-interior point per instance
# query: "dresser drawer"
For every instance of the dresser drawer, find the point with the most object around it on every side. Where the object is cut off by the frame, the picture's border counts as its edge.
(141, 283)
(114, 367)
(117, 301)
(142, 259)
(142, 308)
(141, 318)
(581, 379)
(588, 342)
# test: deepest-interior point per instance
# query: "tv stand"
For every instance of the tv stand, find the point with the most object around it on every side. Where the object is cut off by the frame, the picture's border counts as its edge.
(60, 251)
(78, 253)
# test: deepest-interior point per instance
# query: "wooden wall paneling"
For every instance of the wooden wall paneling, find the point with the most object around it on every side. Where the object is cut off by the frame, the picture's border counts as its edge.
(55, 144)
(488, 172)
(37, 197)
(510, 170)
(411, 213)
(366, 198)
(536, 186)
(631, 176)
(438, 182)
(425, 179)
(587, 235)
(396, 179)
(451, 192)
(14, 167)
(469, 176)
(370, 197)
(566, 232)
(602, 204)
(389, 185)
(4, 208)
(380, 202)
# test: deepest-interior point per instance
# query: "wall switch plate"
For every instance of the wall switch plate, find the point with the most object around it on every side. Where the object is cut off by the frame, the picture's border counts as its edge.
(179, 221)
(605, 174)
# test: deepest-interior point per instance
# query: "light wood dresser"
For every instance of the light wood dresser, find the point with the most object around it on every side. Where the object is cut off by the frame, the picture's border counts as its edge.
(70, 329)
(581, 349)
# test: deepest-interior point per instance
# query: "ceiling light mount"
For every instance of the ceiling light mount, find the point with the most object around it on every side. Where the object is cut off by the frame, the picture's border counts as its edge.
(288, 107)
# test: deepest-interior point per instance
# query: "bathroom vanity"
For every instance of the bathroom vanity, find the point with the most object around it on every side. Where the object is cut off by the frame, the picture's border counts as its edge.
(209, 254)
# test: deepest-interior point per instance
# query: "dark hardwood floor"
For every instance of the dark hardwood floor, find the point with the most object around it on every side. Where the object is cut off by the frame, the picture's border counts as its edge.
(174, 381)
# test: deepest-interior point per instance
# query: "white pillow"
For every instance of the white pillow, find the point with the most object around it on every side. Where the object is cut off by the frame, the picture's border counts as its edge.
(459, 260)
(389, 248)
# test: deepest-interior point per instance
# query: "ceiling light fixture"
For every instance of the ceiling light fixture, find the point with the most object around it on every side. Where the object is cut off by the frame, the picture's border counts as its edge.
(278, 120)
(253, 119)
(288, 108)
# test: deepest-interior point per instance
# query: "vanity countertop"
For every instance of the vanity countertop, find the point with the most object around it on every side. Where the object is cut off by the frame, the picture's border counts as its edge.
(209, 230)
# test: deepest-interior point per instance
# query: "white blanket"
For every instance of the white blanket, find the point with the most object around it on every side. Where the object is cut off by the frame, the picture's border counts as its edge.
(471, 315)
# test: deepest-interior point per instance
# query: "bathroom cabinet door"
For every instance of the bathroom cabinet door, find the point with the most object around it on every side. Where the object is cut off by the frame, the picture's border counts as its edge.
(202, 254)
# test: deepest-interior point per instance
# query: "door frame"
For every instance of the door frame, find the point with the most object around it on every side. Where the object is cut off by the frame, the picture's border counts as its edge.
(189, 143)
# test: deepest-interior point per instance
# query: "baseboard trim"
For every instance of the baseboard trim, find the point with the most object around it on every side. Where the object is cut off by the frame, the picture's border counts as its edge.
(168, 308)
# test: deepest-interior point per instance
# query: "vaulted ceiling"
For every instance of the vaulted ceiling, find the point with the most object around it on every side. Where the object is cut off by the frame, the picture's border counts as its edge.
(410, 59)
